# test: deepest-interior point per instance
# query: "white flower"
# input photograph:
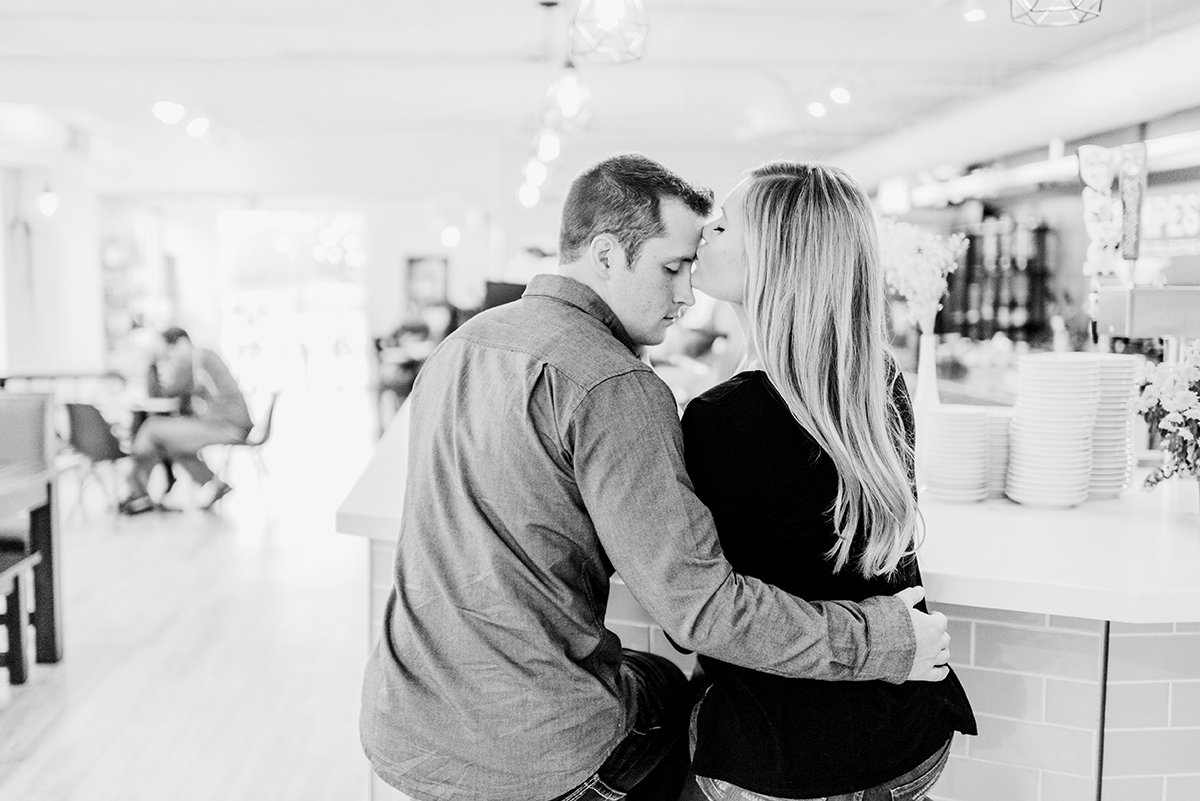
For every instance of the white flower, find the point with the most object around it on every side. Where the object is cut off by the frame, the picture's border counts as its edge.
(1180, 400)
(915, 264)
(1171, 396)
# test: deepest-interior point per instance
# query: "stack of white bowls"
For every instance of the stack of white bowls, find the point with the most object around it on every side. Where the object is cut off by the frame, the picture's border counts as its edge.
(999, 420)
(1112, 453)
(957, 452)
(1050, 439)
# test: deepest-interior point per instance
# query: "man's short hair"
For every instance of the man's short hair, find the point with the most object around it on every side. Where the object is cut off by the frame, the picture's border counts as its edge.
(622, 196)
(174, 334)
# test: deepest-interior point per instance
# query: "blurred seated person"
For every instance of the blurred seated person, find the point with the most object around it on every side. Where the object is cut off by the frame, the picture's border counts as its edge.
(212, 412)
(401, 355)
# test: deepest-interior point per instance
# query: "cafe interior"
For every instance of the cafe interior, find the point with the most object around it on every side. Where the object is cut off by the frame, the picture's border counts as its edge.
(320, 191)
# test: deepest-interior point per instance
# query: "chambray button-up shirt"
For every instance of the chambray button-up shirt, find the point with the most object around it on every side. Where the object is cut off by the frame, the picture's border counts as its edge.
(543, 455)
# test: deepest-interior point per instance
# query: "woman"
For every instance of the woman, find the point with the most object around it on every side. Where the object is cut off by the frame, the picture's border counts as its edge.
(805, 460)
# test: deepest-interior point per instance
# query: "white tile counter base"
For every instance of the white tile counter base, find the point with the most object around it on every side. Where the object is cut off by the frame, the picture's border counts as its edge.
(1027, 592)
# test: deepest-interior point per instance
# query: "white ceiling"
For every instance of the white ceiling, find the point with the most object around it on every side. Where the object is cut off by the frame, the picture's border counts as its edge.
(377, 75)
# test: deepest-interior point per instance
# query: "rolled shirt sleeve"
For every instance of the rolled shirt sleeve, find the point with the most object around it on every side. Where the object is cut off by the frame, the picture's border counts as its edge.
(627, 447)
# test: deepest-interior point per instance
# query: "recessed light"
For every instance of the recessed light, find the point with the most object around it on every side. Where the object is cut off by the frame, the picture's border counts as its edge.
(816, 109)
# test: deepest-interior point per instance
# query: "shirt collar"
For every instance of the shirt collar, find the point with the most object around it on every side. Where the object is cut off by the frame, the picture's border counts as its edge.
(581, 296)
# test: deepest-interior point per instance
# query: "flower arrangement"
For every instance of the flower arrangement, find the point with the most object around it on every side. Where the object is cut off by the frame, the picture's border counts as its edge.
(916, 263)
(1170, 401)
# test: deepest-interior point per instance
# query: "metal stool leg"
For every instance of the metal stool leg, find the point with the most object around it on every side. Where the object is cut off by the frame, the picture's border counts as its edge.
(16, 622)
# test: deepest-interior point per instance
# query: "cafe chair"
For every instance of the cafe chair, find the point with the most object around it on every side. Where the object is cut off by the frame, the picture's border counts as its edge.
(91, 436)
(259, 436)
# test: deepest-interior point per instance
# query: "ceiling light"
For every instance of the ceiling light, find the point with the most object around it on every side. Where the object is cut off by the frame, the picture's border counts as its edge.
(1053, 13)
(451, 236)
(609, 30)
(817, 109)
(535, 173)
(47, 202)
(334, 255)
(168, 112)
(972, 10)
(198, 127)
(839, 95)
(528, 195)
(549, 146)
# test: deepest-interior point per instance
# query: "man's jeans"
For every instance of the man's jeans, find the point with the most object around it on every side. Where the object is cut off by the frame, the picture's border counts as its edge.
(651, 763)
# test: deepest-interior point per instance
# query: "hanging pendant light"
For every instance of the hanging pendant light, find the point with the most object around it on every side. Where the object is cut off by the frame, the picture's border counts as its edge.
(1054, 13)
(47, 202)
(609, 30)
(567, 101)
(548, 145)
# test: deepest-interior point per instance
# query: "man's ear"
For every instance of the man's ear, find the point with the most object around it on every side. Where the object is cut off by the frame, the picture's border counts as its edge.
(606, 254)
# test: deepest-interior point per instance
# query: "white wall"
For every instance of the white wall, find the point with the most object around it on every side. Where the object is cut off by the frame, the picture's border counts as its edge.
(53, 301)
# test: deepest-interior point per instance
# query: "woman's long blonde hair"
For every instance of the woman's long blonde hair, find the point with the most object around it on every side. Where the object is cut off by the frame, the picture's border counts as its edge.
(815, 300)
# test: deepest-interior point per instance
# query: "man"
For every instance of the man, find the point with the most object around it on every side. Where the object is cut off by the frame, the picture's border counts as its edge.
(543, 455)
(212, 412)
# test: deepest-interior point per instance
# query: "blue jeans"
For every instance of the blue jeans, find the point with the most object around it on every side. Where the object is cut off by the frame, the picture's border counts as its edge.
(911, 786)
(651, 763)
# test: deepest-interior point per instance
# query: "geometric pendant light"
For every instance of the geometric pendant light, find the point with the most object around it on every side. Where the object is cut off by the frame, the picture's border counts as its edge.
(1054, 13)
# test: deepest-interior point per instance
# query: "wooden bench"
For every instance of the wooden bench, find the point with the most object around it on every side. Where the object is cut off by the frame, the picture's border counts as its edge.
(16, 573)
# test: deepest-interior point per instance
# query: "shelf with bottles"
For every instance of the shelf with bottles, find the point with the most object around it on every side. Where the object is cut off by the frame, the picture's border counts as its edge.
(1002, 284)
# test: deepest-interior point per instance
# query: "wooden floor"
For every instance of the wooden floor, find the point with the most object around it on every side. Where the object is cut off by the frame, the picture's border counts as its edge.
(212, 656)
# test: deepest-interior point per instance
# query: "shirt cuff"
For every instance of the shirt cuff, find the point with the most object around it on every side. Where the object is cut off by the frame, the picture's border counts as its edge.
(891, 642)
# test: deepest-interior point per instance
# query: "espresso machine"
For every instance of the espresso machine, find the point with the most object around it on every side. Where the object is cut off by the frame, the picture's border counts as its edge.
(1120, 309)
(1170, 313)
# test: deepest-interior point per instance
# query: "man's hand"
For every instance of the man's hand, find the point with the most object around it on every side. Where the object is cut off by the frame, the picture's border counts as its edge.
(932, 660)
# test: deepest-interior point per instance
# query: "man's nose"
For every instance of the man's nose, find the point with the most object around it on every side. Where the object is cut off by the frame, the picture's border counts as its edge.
(683, 288)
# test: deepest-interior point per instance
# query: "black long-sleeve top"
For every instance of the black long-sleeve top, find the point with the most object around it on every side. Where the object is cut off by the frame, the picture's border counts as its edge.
(771, 488)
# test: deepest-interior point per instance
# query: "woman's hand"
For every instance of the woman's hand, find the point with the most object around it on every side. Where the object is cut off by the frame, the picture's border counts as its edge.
(932, 660)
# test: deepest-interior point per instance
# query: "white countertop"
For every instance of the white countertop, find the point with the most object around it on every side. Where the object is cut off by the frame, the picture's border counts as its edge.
(1134, 560)
(373, 506)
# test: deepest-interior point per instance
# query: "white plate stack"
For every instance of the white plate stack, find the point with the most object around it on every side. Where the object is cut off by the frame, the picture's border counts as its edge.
(999, 420)
(957, 452)
(1050, 439)
(1112, 453)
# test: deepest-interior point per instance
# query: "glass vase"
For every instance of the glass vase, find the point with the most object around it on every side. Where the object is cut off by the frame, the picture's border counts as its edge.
(927, 380)
(925, 398)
